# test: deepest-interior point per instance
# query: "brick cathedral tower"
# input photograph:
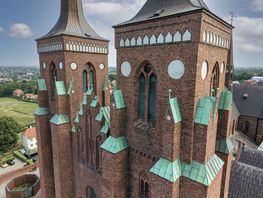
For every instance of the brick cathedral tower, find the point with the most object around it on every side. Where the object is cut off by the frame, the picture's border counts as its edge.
(74, 65)
(163, 131)
(171, 68)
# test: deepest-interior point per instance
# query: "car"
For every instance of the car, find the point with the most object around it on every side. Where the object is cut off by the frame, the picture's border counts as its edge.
(10, 162)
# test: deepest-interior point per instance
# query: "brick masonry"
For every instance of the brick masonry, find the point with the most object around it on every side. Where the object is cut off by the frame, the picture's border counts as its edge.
(79, 164)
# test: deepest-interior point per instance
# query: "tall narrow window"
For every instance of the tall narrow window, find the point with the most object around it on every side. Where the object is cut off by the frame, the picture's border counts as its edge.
(152, 99)
(85, 79)
(98, 153)
(80, 145)
(147, 94)
(142, 97)
(52, 81)
(144, 189)
(91, 79)
(215, 81)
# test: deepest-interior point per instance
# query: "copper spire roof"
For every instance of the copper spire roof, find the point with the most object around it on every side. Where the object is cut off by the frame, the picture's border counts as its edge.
(72, 22)
(160, 8)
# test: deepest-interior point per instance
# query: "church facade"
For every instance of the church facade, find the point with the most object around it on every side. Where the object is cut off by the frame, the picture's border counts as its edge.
(163, 131)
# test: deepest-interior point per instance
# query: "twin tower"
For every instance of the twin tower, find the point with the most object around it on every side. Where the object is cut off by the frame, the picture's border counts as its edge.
(162, 131)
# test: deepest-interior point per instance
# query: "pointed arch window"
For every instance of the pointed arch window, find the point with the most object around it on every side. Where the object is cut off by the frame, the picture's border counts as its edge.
(144, 189)
(215, 81)
(88, 78)
(98, 153)
(53, 76)
(147, 94)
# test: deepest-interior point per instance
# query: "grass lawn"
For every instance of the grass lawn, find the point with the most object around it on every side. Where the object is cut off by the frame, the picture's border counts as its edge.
(22, 112)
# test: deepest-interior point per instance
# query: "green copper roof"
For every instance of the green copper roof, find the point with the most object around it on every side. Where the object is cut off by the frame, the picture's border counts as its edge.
(118, 96)
(175, 110)
(73, 129)
(105, 83)
(224, 146)
(60, 119)
(105, 129)
(260, 147)
(225, 102)
(203, 173)
(204, 108)
(42, 111)
(99, 116)
(94, 102)
(60, 87)
(168, 170)
(41, 83)
(81, 110)
(84, 100)
(106, 114)
(77, 118)
(89, 92)
(115, 145)
(70, 86)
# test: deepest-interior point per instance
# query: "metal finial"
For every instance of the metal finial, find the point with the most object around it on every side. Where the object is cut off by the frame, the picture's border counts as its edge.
(232, 17)
(170, 93)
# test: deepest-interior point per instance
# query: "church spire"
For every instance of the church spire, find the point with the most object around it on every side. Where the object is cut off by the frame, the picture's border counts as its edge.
(72, 22)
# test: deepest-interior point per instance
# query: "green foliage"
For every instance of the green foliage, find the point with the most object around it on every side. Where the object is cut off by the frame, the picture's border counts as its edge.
(22, 157)
(246, 73)
(6, 89)
(112, 76)
(9, 128)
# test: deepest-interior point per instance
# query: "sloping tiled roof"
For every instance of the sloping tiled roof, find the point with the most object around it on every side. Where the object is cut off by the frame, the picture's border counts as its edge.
(30, 133)
(153, 9)
(72, 22)
(249, 100)
(246, 181)
(252, 157)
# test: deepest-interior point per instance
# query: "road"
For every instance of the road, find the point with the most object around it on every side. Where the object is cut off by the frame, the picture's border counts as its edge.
(18, 164)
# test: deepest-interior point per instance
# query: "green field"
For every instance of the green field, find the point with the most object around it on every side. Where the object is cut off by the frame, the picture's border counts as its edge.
(22, 112)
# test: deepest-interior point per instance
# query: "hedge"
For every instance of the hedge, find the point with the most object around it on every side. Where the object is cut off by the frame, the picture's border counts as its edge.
(23, 158)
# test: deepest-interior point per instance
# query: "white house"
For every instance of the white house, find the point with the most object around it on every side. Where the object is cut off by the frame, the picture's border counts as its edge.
(29, 141)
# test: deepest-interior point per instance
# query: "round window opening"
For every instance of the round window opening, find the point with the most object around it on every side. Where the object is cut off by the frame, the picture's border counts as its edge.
(222, 67)
(61, 65)
(74, 66)
(126, 68)
(176, 69)
(204, 70)
(147, 68)
(102, 66)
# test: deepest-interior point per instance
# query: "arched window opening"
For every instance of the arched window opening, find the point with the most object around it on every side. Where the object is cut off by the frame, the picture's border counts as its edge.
(142, 97)
(147, 94)
(80, 145)
(247, 126)
(90, 193)
(90, 142)
(53, 80)
(152, 99)
(144, 189)
(89, 78)
(215, 81)
(98, 153)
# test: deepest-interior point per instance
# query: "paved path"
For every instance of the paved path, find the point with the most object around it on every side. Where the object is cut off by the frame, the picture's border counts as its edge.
(18, 164)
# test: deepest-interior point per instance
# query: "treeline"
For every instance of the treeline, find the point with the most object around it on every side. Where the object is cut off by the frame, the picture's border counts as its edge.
(6, 89)
(247, 73)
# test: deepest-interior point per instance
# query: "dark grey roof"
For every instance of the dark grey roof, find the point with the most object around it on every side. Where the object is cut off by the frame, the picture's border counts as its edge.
(246, 181)
(252, 157)
(153, 9)
(72, 22)
(252, 105)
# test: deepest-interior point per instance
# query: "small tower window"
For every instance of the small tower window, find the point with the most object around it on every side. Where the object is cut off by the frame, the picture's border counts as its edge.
(147, 94)
(88, 78)
(144, 189)
(53, 80)
(215, 81)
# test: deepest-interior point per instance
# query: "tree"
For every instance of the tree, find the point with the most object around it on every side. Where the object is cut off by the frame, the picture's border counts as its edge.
(9, 129)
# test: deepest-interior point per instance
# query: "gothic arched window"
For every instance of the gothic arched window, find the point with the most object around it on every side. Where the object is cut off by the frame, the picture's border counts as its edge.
(53, 79)
(98, 153)
(215, 81)
(80, 145)
(88, 78)
(147, 93)
(90, 142)
(144, 189)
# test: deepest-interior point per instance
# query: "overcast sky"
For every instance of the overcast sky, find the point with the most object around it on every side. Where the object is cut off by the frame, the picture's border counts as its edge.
(22, 21)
